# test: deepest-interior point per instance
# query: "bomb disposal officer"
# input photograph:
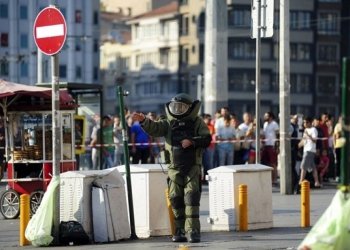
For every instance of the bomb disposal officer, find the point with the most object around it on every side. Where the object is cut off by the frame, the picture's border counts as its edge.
(186, 135)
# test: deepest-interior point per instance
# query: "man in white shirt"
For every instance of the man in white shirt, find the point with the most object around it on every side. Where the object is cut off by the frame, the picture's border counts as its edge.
(241, 133)
(269, 153)
(309, 143)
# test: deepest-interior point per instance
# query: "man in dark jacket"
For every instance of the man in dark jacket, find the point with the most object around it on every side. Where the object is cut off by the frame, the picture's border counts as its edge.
(186, 136)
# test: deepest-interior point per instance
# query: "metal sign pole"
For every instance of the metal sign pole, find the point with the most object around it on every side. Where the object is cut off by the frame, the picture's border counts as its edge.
(257, 82)
(120, 94)
(344, 161)
(56, 141)
(286, 184)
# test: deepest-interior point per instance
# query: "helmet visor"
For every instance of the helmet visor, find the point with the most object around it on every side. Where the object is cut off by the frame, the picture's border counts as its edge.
(178, 108)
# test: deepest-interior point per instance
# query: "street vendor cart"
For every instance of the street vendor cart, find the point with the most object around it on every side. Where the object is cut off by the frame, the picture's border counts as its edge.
(29, 150)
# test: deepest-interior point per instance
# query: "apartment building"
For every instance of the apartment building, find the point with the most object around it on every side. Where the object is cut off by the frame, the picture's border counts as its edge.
(314, 51)
(154, 61)
(79, 58)
(328, 36)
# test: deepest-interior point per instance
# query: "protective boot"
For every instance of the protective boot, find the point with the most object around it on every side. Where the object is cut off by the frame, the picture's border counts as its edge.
(195, 236)
(179, 236)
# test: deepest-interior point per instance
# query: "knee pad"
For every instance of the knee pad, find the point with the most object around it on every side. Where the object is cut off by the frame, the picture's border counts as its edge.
(177, 202)
(192, 198)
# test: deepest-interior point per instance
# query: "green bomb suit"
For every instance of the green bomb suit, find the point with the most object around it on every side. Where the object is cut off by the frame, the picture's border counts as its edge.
(184, 180)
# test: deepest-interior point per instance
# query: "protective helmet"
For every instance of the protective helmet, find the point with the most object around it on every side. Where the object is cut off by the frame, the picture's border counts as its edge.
(180, 104)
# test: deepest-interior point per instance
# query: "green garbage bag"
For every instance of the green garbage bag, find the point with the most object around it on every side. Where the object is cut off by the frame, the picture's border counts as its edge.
(332, 230)
(39, 228)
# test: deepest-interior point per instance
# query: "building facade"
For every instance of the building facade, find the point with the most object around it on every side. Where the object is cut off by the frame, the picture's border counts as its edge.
(79, 58)
(314, 53)
(154, 63)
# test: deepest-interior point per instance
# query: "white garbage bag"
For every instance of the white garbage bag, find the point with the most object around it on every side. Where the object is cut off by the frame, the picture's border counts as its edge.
(39, 228)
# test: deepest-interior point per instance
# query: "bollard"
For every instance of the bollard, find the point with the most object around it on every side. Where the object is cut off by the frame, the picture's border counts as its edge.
(243, 207)
(305, 204)
(24, 218)
(170, 211)
(183, 247)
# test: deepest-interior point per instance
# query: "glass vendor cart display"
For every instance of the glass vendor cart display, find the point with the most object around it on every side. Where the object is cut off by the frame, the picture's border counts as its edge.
(29, 168)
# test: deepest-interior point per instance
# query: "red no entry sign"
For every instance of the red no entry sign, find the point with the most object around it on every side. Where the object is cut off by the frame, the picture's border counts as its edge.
(50, 30)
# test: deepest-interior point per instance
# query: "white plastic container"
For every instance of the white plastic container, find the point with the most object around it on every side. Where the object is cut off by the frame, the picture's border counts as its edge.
(76, 198)
(149, 182)
(223, 196)
(109, 212)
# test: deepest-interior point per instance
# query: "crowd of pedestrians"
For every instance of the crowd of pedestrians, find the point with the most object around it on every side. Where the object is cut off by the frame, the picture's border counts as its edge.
(142, 147)
(315, 144)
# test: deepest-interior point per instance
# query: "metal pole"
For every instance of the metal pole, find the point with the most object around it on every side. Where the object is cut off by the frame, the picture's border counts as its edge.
(56, 141)
(120, 94)
(100, 152)
(286, 185)
(200, 89)
(257, 83)
(40, 66)
(344, 161)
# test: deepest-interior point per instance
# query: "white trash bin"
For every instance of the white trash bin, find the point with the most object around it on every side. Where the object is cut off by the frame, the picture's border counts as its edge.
(223, 196)
(109, 210)
(149, 182)
(77, 201)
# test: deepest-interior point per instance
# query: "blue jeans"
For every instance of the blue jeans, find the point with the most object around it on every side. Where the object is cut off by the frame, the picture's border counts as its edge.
(226, 155)
(208, 159)
(108, 160)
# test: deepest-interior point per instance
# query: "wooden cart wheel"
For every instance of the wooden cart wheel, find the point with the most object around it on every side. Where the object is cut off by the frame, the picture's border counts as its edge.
(35, 200)
(9, 203)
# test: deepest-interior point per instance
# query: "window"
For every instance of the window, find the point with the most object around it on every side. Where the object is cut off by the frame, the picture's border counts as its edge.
(183, 2)
(276, 21)
(300, 51)
(265, 82)
(24, 41)
(184, 55)
(96, 45)
(241, 79)
(95, 73)
(63, 71)
(23, 12)
(304, 84)
(184, 26)
(241, 49)
(96, 21)
(3, 11)
(326, 84)
(300, 20)
(327, 53)
(304, 52)
(4, 40)
(78, 72)
(201, 22)
(164, 57)
(149, 88)
(328, 23)
(239, 18)
(305, 20)
(201, 53)
(78, 44)
(300, 83)
(24, 69)
(78, 16)
(4, 67)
